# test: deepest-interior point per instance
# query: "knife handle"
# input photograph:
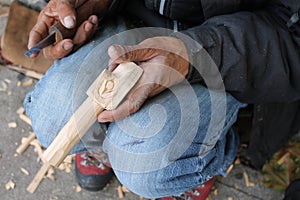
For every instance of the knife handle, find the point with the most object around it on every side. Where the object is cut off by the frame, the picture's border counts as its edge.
(83, 12)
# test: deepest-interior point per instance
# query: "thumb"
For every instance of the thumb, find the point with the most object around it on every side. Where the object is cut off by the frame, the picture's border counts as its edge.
(131, 105)
(137, 53)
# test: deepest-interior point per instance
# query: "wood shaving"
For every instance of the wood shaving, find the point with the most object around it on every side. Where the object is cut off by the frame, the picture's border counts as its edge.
(215, 192)
(69, 159)
(3, 86)
(67, 167)
(20, 110)
(51, 174)
(246, 178)
(120, 192)
(25, 118)
(27, 83)
(38, 149)
(78, 188)
(12, 125)
(10, 185)
(237, 162)
(124, 189)
(24, 171)
(283, 158)
(229, 169)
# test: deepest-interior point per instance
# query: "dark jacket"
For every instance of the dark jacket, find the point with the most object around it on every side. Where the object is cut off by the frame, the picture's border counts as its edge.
(256, 47)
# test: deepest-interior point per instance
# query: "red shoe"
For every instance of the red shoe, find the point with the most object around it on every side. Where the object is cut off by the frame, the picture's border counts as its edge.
(199, 193)
(91, 173)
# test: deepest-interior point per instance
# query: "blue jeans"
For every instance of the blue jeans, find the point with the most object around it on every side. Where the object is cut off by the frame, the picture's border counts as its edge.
(176, 141)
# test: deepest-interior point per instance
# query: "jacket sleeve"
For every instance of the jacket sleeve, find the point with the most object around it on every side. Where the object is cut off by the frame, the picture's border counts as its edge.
(257, 56)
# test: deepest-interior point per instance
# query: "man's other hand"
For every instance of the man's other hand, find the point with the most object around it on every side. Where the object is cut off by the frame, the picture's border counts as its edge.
(63, 11)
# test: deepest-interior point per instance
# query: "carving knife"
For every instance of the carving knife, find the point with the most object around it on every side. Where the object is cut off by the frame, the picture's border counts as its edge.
(49, 40)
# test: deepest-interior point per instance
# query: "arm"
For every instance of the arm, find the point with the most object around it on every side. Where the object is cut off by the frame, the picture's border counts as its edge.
(257, 56)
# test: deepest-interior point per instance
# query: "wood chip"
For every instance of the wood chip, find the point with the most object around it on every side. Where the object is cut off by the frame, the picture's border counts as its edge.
(38, 149)
(26, 72)
(229, 198)
(24, 171)
(3, 86)
(120, 192)
(78, 188)
(20, 110)
(246, 178)
(27, 83)
(236, 186)
(10, 185)
(7, 80)
(237, 162)
(67, 167)
(25, 118)
(283, 158)
(51, 174)
(19, 83)
(215, 192)
(229, 169)
(69, 159)
(25, 143)
(124, 189)
(62, 167)
(12, 125)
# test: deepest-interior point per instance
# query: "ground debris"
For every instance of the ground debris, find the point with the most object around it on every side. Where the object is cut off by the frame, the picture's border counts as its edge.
(24, 171)
(3, 86)
(78, 188)
(120, 192)
(10, 185)
(27, 83)
(51, 174)
(283, 167)
(20, 110)
(12, 125)
(246, 178)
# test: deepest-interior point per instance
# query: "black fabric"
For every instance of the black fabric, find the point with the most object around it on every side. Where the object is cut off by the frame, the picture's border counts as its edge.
(293, 191)
(271, 129)
(189, 11)
(257, 55)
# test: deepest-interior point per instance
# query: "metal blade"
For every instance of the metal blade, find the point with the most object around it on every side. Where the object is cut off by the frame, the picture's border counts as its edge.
(50, 39)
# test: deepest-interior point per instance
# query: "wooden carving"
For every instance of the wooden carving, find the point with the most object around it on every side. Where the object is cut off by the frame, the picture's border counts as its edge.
(107, 92)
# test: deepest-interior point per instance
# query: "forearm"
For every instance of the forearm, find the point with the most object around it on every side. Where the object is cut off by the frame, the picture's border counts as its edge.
(257, 56)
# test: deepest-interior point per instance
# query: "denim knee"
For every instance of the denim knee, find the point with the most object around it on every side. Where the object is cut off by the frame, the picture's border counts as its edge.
(143, 184)
(45, 112)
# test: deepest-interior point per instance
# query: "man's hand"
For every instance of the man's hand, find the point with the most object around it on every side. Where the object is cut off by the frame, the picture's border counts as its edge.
(64, 11)
(165, 63)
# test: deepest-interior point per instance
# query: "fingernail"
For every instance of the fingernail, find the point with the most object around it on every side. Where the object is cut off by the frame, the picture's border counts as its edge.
(88, 27)
(67, 46)
(94, 20)
(69, 21)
